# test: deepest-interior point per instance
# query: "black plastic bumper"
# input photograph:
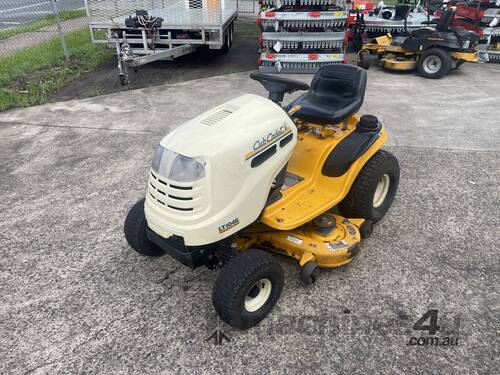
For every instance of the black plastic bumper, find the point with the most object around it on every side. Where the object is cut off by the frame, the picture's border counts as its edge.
(191, 256)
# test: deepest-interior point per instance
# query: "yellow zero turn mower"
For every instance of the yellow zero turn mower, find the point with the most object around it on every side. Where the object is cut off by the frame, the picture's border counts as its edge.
(250, 177)
(433, 51)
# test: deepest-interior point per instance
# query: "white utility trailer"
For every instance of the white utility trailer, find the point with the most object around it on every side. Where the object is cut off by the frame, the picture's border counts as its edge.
(143, 31)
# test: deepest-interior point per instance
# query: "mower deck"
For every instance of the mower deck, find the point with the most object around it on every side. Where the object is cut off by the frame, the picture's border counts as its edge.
(330, 240)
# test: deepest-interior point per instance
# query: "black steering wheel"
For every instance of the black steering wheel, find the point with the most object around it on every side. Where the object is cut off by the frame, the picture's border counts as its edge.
(278, 86)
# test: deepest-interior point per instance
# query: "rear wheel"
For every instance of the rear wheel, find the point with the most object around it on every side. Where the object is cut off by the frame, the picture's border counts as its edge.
(374, 189)
(135, 232)
(434, 63)
(247, 288)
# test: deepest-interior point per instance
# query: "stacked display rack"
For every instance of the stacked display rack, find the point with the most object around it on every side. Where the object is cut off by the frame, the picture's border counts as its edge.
(300, 36)
(489, 49)
(483, 17)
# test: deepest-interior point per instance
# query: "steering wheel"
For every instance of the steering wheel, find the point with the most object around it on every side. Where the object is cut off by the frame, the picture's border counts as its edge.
(278, 86)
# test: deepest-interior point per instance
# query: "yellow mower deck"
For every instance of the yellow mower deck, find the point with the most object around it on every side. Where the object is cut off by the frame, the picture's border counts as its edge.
(392, 63)
(395, 57)
(328, 247)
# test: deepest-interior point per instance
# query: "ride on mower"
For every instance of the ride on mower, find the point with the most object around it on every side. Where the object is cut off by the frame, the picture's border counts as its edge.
(250, 176)
(433, 51)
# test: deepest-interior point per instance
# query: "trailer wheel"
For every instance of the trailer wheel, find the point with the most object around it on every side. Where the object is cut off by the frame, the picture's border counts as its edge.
(434, 63)
(247, 288)
(374, 189)
(135, 232)
(228, 39)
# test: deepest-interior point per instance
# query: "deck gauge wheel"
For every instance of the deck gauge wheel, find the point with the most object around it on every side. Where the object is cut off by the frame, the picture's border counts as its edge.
(309, 273)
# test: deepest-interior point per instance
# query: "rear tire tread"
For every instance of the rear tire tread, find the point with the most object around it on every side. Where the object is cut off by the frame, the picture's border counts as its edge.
(359, 201)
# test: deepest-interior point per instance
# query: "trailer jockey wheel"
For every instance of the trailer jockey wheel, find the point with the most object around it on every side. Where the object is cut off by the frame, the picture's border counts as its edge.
(124, 80)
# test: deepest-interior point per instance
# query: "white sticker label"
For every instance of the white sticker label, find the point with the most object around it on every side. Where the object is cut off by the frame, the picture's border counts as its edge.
(335, 246)
(296, 240)
(278, 66)
(278, 3)
(276, 25)
(278, 46)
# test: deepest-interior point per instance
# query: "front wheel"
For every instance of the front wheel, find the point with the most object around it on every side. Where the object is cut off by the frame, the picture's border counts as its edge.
(247, 288)
(374, 189)
(364, 59)
(135, 232)
(434, 63)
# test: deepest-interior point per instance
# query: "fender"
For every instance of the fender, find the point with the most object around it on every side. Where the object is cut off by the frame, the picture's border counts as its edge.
(314, 192)
(440, 40)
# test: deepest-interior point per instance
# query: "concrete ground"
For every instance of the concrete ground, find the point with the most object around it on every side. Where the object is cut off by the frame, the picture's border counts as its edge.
(76, 299)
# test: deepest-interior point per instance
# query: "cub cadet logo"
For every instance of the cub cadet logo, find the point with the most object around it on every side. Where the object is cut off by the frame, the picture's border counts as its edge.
(272, 135)
(228, 225)
(268, 139)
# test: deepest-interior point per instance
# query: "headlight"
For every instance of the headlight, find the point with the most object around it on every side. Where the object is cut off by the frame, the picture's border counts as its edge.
(177, 167)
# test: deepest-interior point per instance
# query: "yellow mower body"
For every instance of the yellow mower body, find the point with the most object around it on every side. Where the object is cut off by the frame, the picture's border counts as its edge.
(393, 56)
(289, 227)
(317, 193)
(307, 180)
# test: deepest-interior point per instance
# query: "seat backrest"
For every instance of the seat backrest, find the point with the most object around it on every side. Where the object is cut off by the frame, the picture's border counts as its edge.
(401, 11)
(340, 81)
(443, 23)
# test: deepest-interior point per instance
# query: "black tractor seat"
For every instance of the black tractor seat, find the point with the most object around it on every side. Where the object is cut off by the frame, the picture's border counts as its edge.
(443, 26)
(401, 12)
(465, 34)
(422, 32)
(336, 92)
(398, 40)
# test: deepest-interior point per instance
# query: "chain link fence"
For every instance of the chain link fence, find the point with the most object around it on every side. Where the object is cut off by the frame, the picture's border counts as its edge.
(247, 7)
(28, 23)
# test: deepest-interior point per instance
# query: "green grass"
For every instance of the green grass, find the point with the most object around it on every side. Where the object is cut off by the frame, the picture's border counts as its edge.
(31, 75)
(41, 23)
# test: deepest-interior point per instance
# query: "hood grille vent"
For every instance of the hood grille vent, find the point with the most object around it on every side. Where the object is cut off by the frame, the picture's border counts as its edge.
(215, 117)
